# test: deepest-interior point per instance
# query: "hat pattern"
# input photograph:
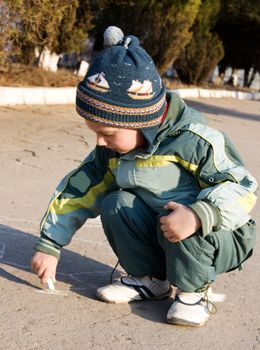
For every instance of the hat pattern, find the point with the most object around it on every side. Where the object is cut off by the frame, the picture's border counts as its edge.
(140, 90)
(122, 88)
(98, 82)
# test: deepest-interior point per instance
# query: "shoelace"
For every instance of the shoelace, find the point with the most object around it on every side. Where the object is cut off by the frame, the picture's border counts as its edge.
(144, 292)
(211, 307)
(112, 273)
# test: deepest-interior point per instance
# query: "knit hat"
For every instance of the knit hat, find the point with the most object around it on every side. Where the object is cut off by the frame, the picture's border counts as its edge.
(122, 87)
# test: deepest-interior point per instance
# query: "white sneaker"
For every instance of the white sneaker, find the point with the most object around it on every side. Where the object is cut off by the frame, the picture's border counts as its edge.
(193, 309)
(131, 288)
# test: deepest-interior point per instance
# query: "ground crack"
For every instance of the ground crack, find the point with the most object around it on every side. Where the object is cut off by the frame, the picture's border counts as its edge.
(109, 319)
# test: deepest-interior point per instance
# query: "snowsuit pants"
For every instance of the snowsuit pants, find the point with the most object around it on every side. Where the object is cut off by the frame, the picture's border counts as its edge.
(133, 231)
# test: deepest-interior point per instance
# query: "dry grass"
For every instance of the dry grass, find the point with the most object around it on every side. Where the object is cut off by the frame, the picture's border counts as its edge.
(176, 84)
(32, 76)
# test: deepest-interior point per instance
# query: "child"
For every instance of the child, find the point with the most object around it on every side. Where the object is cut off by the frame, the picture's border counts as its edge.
(172, 193)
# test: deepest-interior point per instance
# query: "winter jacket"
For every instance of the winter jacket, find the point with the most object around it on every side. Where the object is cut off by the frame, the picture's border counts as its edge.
(189, 163)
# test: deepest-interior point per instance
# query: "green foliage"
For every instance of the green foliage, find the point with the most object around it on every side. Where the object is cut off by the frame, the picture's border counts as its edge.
(162, 26)
(204, 51)
(7, 32)
(184, 32)
(239, 29)
(74, 28)
(46, 23)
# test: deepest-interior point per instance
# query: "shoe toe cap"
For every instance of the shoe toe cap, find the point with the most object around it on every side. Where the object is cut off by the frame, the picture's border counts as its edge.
(187, 315)
(116, 293)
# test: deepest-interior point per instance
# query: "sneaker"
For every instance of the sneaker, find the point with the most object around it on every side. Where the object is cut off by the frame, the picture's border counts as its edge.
(193, 309)
(130, 288)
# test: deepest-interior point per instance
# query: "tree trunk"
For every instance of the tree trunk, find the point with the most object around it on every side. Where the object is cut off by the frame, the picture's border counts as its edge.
(246, 76)
(252, 77)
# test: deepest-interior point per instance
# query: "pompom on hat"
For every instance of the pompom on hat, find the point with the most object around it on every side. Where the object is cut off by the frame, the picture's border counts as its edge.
(122, 87)
(112, 36)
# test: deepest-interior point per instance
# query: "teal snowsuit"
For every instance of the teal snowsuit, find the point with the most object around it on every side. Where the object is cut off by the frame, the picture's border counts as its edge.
(189, 163)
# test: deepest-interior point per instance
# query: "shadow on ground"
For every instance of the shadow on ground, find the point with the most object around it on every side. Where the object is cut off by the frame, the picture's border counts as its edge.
(206, 108)
(83, 274)
(16, 250)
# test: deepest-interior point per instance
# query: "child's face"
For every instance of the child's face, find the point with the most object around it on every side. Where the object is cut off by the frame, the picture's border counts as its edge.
(119, 140)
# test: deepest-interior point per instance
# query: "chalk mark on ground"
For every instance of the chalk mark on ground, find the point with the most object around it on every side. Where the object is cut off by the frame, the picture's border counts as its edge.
(73, 276)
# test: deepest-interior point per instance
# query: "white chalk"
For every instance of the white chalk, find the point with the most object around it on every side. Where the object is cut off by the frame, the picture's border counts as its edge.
(50, 284)
(51, 289)
(218, 297)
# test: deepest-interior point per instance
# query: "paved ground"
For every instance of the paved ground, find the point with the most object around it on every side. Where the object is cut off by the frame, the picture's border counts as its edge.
(38, 146)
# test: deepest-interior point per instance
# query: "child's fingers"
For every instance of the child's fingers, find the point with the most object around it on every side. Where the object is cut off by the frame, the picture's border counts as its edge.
(44, 266)
(40, 272)
(163, 219)
(167, 234)
(163, 228)
(34, 264)
(172, 205)
(45, 277)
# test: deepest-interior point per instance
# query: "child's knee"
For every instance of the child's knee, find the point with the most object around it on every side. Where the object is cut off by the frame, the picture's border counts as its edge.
(233, 247)
(115, 201)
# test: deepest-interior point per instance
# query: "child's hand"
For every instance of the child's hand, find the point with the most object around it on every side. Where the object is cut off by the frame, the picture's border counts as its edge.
(44, 265)
(181, 223)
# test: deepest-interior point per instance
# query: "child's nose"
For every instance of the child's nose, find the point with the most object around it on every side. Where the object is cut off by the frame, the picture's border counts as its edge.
(101, 141)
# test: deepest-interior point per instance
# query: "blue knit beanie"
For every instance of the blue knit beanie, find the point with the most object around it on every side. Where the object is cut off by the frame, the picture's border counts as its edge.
(122, 87)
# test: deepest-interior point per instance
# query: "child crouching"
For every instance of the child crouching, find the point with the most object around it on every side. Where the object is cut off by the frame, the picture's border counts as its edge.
(173, 194)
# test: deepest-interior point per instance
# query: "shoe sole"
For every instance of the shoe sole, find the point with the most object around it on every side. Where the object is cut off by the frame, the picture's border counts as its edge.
(180, 322)
(161, 297)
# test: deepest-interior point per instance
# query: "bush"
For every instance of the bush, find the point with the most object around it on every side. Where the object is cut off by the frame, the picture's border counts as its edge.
(162, 26)
(205, 49)
(199, 58)
(52, 24)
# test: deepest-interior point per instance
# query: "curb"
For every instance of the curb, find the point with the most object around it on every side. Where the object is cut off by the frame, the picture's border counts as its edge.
(67, 95)
(207, 93)
(37, 96)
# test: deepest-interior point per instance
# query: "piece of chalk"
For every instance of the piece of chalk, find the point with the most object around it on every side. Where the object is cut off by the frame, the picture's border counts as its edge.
(50, 284)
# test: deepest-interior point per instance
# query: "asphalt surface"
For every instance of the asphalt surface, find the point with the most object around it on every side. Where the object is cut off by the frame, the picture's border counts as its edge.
(39, 145)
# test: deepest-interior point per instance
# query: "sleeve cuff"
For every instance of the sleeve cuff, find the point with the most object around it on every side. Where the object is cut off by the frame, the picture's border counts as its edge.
(209, 216)
(48, 247)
